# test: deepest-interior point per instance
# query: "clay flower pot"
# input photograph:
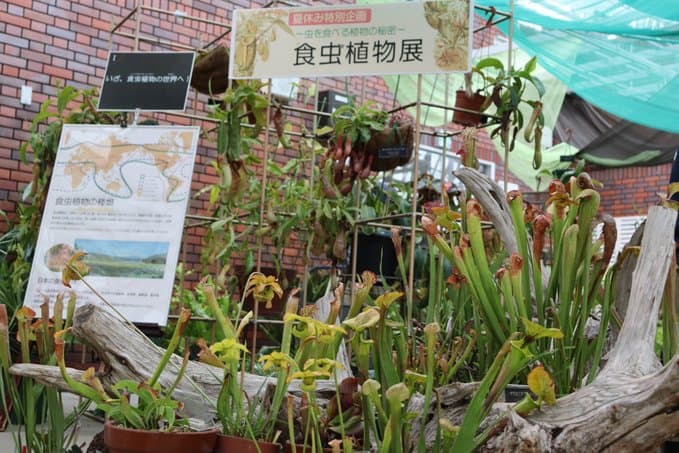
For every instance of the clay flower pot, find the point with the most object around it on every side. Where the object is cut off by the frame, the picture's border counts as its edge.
(231, 444)
(469, 103)
(125, 440)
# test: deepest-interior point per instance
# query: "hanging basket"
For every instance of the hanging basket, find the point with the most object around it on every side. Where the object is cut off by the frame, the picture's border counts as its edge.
(393, 147)
(474, 103)
(211, 72)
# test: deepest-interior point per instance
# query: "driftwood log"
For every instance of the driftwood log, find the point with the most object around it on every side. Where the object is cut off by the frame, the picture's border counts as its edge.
(126, 353)
(633, 405)
(494, 202)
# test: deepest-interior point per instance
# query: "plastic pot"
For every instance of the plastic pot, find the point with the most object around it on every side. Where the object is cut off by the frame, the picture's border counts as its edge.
(474, 103)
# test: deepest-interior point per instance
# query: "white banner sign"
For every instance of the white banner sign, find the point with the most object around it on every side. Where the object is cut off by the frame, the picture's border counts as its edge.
(396, 38)
(119, 194)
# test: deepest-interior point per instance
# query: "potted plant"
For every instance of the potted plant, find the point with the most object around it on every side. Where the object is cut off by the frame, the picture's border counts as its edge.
(312, 428)
(41, 422)
(469, 104)
(234, 141)
(248, 422)
(240, 118)
(141, 416)
(362, 143)
(505, 88)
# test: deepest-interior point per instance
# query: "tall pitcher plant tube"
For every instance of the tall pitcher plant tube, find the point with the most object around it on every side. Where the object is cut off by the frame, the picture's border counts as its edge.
(284, 363)
(396, 396)
(431, 332)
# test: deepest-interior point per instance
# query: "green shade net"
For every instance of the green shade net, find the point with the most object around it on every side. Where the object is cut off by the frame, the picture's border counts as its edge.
(620, 55)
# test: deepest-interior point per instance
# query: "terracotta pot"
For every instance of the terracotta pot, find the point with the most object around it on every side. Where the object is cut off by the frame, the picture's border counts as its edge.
(231, 444)
(469, 103)
(393, 147)
(125, 440)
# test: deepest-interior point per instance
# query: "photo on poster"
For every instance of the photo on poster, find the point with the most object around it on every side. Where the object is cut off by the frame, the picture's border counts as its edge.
(58, 256)
(128, 259)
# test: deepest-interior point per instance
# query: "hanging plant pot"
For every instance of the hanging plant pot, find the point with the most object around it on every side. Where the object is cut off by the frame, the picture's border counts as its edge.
(232, 444)
(211, 72)
(392, 147)
(463, 101)
(125, 440)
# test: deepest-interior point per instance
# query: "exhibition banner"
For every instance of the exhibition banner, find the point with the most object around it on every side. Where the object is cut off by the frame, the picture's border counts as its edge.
(120, 195)
(348, 40)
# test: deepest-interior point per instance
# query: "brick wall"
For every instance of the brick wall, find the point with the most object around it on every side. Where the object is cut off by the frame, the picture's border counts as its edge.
(46, 42)
(630, 191)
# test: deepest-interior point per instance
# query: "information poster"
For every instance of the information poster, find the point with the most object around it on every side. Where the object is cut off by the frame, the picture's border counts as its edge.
(120, 195)
(395, 38)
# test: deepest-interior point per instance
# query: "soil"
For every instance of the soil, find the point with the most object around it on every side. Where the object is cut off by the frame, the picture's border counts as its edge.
(97, 445)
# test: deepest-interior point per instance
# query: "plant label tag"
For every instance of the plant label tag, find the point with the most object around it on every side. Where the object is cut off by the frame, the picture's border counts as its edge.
(391, 152)
(134, 400)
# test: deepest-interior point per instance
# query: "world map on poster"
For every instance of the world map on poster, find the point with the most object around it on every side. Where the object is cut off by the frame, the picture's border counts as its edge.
(142, 167)
(119, 195)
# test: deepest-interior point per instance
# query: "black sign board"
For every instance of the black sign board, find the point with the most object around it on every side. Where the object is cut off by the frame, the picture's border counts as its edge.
(389, 152)
(146, 81)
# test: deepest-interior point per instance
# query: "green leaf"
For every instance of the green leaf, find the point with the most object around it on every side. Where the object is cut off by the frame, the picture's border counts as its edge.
(131, 414)
(275, 169)
(214, 195)
(43, 114)
(535, 331)
(249, 262)
(22, 152)
(170, 416)
(290, 165)
(27, 192)
(65, 96)
(490, 62)
(218, 225)
(539, 86)
(531, 65)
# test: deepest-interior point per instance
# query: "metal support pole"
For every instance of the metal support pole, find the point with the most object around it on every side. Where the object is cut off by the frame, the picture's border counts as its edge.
(413, 218)
(262, 207)
(509, 68)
